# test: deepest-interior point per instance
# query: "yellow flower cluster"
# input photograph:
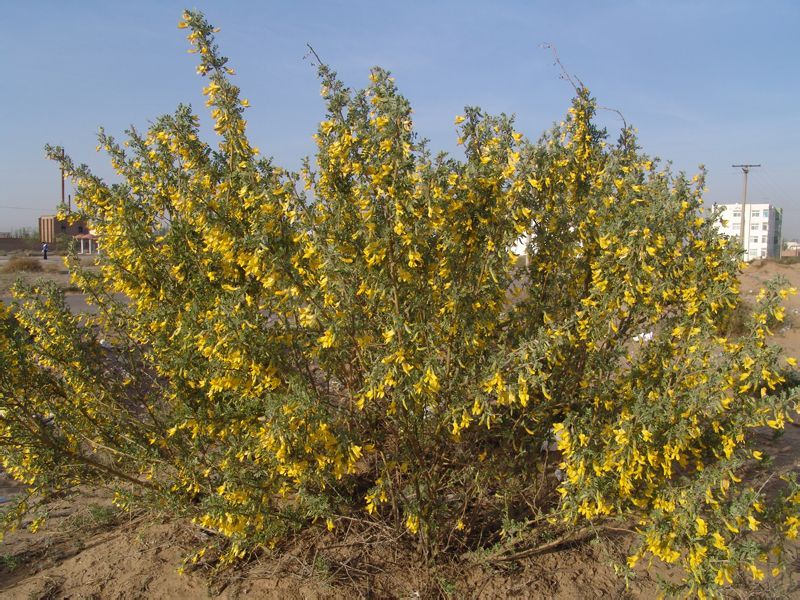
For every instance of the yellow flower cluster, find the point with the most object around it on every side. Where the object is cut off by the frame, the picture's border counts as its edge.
(279, 349)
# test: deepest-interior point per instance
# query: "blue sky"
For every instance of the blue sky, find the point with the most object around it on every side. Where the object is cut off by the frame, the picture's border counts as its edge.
(704, 82)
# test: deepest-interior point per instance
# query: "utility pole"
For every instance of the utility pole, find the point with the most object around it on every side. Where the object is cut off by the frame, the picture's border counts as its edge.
(745, 170)
(62, 179)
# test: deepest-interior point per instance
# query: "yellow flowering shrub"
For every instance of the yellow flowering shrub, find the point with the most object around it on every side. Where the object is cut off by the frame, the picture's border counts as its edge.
(271, 350)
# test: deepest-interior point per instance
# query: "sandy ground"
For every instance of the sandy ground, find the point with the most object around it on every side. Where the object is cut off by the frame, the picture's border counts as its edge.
(755, 277)
(89, 550)
(53, 269)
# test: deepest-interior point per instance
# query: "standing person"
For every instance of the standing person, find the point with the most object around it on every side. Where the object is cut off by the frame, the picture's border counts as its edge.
(45, 248)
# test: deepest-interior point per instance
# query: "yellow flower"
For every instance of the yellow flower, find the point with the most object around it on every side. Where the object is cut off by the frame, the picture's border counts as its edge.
(327, 339)
(719, 541)
(723, 576)
(696, 556)
(430, 381)
(459, 120)
(702, 528)
(414, 258)
(752, 522)
(412, 523)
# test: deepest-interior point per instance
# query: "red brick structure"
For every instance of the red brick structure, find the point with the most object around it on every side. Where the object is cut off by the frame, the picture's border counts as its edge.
(50, 227)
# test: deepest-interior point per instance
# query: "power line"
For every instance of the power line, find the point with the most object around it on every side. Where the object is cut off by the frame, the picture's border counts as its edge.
(775, 188)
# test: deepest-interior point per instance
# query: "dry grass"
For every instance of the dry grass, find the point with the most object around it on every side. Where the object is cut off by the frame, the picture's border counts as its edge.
(52, 270)
(23, 264)
(56, 267)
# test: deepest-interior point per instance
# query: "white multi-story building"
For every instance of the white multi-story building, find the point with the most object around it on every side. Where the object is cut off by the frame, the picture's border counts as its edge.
(762, 228)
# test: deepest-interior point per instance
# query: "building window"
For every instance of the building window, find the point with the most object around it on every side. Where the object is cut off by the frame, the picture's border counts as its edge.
(754, 227)
(763, 254)
(754, 239)
(737, 213)
(755, 213)
(766, 213)
(764, 239)
(764, 226)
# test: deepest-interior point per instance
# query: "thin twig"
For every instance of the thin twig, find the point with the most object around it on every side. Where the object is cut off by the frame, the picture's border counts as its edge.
(582, 536)
(314, 54)
(564, 73)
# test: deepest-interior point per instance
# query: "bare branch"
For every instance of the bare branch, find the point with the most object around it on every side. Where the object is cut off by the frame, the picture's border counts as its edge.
(564, 73)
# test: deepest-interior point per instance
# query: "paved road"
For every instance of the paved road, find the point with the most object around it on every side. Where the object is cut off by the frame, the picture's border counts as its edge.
(76, 303)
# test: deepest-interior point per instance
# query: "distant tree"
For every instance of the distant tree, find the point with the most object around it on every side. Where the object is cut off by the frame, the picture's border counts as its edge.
(26, 233)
